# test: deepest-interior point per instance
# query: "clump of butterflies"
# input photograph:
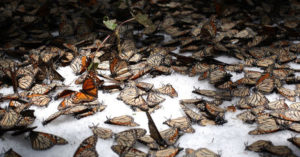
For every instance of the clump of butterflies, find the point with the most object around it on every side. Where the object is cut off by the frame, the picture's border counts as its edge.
(247, 30)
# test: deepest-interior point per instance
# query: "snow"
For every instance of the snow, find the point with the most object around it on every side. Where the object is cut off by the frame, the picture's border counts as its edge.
(229, 139)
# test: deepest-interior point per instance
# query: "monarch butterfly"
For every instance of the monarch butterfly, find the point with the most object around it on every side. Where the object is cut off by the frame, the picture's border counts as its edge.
(258, 110)
(137, 102)
(266, 85)
(53, 75)
(130, 93)
(226, 95)
(64, 94)
(231, 108)
(67, 58)
(11, 153)
(2, 112)
(76, 110)
(129, 137)
(170, 135)
(169, 152)
(26, 81)
(46, 57)
(216, 113)
(100, 132)
(71, 47)
(279, 150)
(42, 141)
(291, 115)
(191, 114)
(190, 101)
(144, 86)
(295, 141)
(246, 117)
(39, 99)
(154, 99)
(201, 152)
(245, 81)
(203, 75)
(285, 56)
(263, 77)
(155, 59)
(9, 119)
(111, 88)
(265, 62)
(250, 61)
(80, 97)
(89, 111)
(81, 78)
(17, 105)
(138, 67)
(287, 93)
(149, 141)
(53, 116)
(242, 104)
(294, 127)
(87, 147)
(209, 28)
(182, 123)
(124, 120)
(79, 64)
(131, 96)
(277, 105)
(28, 70)
(226, 85)
(167, 90)
(127, 151)
(137, 73)
(282, 74)
(240, 92)
(90, 87)
(41, 89)
(180, 69)
(136, 58)
(208, 93)
(295, 106)
(25, 121)
(259, 146)
(252, 74)
(213, 110)
(161, 70)
(93, 75)
(123, 77)
(154, 133)
(118, 67)
(266, 125)
(218, 76)
(234, 68)
(257, 99)
(257, 52)
(66, 103)
(127, 50)
(293, 80)
(104, 65)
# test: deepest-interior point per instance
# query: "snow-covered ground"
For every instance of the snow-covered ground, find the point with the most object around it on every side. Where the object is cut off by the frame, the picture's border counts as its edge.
(229, 139)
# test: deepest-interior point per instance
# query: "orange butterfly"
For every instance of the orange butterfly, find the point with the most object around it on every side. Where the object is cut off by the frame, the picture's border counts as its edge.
(80, 97)
(64, 94)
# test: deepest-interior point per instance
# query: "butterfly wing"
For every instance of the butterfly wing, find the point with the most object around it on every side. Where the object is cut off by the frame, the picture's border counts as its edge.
(42, 141)
(154, 133)
(87, 148)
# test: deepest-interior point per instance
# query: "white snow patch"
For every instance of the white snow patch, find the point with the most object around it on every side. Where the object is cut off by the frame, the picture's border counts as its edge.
(229, 139)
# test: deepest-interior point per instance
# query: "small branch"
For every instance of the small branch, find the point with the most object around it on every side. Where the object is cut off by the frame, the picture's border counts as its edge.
(117, 29)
